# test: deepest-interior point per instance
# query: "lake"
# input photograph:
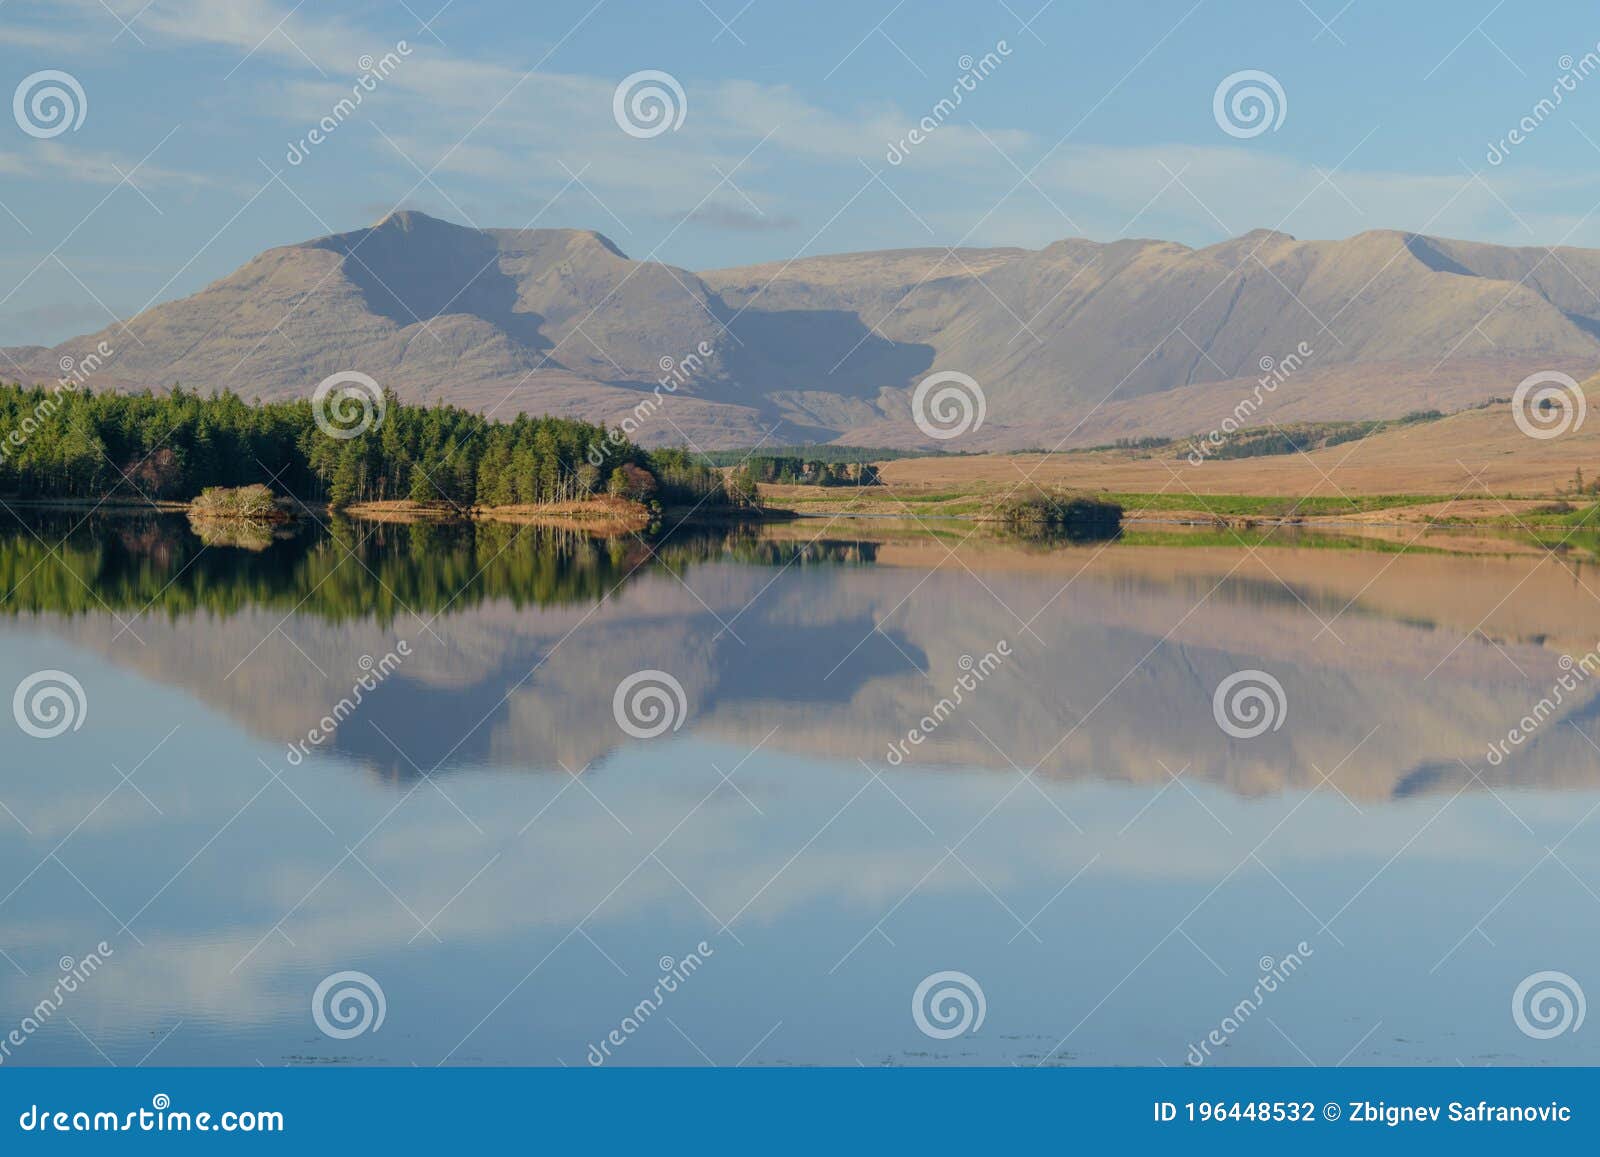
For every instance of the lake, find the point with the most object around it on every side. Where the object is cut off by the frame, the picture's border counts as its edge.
(814, 793)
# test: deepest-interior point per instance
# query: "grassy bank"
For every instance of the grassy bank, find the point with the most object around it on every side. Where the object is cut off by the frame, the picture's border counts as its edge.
(989, 501)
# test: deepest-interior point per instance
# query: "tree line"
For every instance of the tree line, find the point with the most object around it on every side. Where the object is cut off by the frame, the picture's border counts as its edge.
(65, 443)
(794, 470)
(826, 452)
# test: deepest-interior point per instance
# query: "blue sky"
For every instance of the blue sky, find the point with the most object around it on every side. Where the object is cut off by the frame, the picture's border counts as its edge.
(1097, 121)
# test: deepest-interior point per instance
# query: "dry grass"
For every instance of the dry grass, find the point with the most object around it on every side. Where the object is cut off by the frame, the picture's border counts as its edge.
(1474, 454)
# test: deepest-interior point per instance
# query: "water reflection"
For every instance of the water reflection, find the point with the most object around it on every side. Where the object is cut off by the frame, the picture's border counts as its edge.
(343, 569)
(1079, 833)
(839, 644)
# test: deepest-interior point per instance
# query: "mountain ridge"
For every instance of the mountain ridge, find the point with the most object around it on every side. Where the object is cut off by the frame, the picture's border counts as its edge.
(1073, 344)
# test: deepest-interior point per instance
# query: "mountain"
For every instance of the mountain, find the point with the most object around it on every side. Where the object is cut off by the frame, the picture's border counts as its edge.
(1077, 343)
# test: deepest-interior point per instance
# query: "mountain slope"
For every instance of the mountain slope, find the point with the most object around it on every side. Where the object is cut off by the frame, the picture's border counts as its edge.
(1074, 344)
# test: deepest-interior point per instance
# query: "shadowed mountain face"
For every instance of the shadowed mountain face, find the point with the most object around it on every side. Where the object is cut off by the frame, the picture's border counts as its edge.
(1080, 341)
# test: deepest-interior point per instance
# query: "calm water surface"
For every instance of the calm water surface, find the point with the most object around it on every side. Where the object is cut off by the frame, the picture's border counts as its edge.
(515, 870)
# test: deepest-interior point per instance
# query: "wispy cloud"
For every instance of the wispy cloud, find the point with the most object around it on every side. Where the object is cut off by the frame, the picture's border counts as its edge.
(734, 218)
(1217, 192)
(51, 160)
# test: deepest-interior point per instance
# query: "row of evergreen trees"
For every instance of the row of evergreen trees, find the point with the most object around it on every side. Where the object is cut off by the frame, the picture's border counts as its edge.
(62, 443)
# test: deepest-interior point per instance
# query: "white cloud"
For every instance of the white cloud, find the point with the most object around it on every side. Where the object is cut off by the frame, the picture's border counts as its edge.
(51, 160)
(1211, 193)
(498, 124)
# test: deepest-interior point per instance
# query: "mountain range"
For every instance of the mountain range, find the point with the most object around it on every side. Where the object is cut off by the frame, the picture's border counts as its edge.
(1076, 344)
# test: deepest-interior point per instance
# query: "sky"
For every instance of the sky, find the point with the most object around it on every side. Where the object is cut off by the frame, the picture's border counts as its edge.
(190, 148)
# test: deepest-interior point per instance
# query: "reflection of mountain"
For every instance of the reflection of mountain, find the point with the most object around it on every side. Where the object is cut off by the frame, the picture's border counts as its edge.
(1112, 678)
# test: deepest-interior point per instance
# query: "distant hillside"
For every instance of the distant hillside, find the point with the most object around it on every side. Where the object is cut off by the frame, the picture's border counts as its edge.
(1474, 456)
(1080, 341)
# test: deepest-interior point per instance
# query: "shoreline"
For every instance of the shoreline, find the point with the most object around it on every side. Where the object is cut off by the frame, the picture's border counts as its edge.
(603, 514)
(598, 514)
(972, 504)
(945, 505)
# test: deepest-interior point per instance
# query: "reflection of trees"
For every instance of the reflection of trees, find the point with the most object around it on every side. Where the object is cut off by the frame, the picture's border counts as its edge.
(67, 563)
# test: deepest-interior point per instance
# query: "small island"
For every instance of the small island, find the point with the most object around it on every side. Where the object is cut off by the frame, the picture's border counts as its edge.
(253, 503)
(1059, 512)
